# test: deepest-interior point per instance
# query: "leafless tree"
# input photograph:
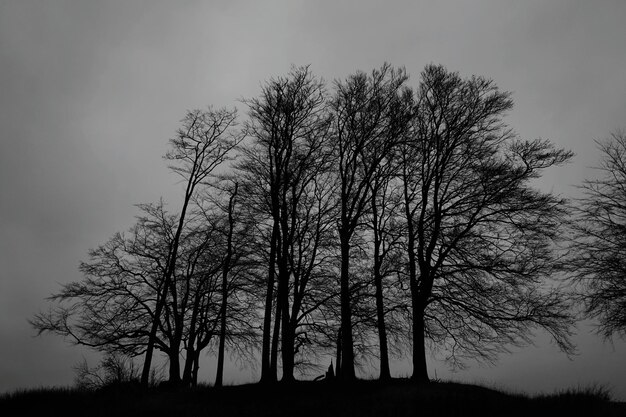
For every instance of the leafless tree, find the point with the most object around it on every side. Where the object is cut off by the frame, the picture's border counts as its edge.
(479, 236)
(203, 143)
(113, 307)
(385, 235)
(367, 126)
(132, 287)
(284, 167)
(597, 260)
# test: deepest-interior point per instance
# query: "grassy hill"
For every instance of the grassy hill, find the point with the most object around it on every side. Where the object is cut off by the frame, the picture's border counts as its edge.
(319, 399)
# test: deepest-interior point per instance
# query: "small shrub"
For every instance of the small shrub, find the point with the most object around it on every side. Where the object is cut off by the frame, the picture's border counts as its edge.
(113, 370)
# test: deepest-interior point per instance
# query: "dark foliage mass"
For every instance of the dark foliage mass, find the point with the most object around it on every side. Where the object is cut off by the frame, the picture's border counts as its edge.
(345, 223)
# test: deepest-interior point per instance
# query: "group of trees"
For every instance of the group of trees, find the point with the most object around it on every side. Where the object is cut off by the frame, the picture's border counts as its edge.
(356, 222)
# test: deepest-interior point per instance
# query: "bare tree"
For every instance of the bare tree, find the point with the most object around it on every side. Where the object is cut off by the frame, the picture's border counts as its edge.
(311, 256)
(479, 236)
(111, 307)
(203, 143)
(597, 260)
(198, 289)
(282, 166)
(114, 306)
(384, 224)
(227, 310)
(133, 285)
(366, 127)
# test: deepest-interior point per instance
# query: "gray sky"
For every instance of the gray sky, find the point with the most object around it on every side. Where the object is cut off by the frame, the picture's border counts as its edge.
(90, 92)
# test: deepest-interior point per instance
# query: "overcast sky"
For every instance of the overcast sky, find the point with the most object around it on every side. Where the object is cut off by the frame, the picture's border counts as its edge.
(90, 92)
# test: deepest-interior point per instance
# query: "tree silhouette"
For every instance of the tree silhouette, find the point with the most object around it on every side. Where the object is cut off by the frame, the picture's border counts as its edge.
(114, 307)
(479, 237)
(285, 167)
(598, 246)
(366, 128)
(134, 285)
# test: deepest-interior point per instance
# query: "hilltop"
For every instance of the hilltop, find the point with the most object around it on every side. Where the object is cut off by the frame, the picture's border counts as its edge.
(325, 399)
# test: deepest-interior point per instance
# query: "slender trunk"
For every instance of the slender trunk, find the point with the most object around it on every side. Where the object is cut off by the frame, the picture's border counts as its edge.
(267, 374)
(279, 308)
(193, 334)
(420, 372)
(385, 373)
(287, 338)
(225, 270)
(347, 352)
(338, 358)
(196, 367)
(287, 335)
(169, 272)
(222, 342)
(275, 339)
(147, 362)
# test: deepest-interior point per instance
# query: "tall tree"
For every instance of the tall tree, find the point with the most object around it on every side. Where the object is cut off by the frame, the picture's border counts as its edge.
(288, 125)
(385, 234)
(198, 284)
(598, 247)
(479, 236)
(366, 127)
(311, 257)
(226, 267)
(202, 144)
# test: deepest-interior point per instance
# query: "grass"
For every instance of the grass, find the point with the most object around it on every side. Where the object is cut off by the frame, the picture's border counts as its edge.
(321, 399)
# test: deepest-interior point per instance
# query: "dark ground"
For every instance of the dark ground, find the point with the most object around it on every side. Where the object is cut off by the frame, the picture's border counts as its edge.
(320, 399)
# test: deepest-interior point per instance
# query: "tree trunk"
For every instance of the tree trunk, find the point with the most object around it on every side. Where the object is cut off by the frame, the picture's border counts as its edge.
(169, 272)
(188, 369)
(338, 358)
(288, 335)
(222, 342)
(225, 270)
(420, 371)
(268, 372)
(275, 340)
(385, 373)
(196, 367)
(147, 361)
(287, 338)
(174, 359)
(287, 353)
(347, 348)
(192, 351)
